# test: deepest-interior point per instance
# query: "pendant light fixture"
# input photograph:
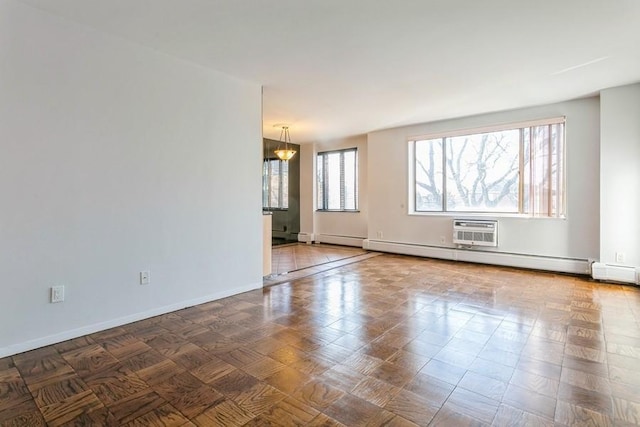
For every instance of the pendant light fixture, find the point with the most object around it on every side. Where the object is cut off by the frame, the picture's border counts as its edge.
(285, 153)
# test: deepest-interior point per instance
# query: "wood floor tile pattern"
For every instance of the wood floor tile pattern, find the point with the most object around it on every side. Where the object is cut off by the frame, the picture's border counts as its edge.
(390, 340)
(301, 255)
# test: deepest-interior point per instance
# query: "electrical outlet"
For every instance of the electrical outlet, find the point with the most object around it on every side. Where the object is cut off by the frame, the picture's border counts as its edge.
(379, 234)
(620, 257)
(145, 277)
(57, 294)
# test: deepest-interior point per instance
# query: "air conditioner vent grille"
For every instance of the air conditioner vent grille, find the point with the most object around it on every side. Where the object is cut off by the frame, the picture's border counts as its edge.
(475, 232)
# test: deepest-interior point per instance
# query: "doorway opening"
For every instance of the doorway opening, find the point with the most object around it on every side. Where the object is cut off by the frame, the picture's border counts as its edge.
(281, 193)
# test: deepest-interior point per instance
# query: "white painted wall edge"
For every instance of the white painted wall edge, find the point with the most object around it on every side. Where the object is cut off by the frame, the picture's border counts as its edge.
(97, 327)
(563, 265)
(339, 240)
(615, 273)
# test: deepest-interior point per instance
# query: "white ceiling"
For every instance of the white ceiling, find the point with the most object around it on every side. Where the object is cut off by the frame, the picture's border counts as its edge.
(335, 68)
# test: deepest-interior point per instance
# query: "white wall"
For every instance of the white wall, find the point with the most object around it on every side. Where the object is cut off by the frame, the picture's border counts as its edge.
(348, 224)
(110, 165)
(307, 188)
(620, 175)
(573, 237)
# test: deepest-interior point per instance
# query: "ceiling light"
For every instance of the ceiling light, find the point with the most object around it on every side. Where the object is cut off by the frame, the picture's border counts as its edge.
(285, 153)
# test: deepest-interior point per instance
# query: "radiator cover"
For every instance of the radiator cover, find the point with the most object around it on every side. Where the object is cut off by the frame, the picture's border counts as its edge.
(615, 273)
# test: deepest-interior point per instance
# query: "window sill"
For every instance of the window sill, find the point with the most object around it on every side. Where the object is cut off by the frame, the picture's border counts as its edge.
(338, 210)
(483, 215)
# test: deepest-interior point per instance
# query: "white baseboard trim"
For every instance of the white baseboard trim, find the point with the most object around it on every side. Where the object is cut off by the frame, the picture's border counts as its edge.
(305, 237)
(563, 265)
(97, 327)
(615, 273)
(339, 240)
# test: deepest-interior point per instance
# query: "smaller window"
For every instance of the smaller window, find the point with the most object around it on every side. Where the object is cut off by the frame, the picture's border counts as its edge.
(275, 184)
(337, 173)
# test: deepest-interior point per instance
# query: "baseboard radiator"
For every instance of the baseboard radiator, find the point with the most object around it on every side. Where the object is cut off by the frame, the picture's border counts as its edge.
(339, 240)
(615, 273)
(536, 262)
(305, 237)
(475, 232)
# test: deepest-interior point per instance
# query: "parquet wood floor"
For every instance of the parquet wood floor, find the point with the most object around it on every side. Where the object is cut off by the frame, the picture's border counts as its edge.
(390, 340)
(299, 256)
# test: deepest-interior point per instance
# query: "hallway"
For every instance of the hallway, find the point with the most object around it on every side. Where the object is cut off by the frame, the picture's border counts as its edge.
(297, 260)
(296, 256)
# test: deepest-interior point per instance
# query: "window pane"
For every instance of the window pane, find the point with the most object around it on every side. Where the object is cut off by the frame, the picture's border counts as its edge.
(526, 172)
(428, 168)
(544, 170)
(321, 184)
(517, 170)
(337, 178)
(283, 202)
(332, 180)
(265, 184)
(350, 180)
(539, 171)
(482, 172)
(557, 172)
(275, 183)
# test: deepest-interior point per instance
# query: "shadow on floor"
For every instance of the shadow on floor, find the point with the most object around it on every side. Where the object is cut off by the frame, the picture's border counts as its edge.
(279, 241)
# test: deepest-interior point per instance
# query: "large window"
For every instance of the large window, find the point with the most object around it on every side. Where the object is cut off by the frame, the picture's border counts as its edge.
(275, 184)
(338, 180)
(517, 169)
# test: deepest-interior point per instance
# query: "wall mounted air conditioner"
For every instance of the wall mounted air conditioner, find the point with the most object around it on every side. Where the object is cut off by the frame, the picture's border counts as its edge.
(475, 232)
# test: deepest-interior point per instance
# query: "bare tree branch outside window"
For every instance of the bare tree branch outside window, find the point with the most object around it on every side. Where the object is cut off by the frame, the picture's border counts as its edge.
(482, 172)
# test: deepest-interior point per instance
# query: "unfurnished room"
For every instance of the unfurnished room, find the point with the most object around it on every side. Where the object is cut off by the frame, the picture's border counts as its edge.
(319, 213)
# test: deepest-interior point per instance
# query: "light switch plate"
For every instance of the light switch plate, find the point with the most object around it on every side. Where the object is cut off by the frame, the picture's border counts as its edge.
(145, 277)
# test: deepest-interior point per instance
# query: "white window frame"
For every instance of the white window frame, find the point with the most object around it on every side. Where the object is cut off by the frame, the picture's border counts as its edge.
(561, 213)
(320, 188)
